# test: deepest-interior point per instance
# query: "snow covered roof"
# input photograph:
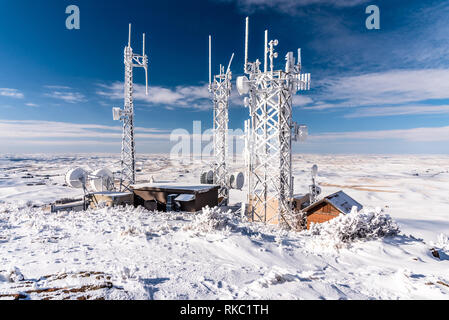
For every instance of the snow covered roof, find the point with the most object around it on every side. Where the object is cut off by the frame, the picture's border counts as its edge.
(343, 202)
(185, 197)
(177, 186)
(340, 201)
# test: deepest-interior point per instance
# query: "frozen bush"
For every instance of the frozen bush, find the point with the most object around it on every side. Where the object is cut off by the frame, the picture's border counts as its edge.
(212, 219)
(442, 242)
(367, 224)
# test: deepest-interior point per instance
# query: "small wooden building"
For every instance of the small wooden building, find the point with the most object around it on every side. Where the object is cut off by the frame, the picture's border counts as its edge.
(330, 207)
(185, 197)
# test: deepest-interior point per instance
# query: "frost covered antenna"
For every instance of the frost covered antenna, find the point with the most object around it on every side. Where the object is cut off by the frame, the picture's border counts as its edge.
(271, 131)
(246, 44)
(220, 87)
(314, 189)
(126, 115)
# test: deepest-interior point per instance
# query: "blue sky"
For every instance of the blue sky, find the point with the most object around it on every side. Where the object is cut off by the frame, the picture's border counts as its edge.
(373, 91)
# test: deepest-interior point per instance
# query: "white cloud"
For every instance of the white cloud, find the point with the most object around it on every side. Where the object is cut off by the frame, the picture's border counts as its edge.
(12, 93)
(395, 87)
(66, 96)
(398, 110)
(27, 142)
(194, 97)
(290, 6)
(436, 134)
(34, 129)
(30, 104)
(58, 87)
(300, 100)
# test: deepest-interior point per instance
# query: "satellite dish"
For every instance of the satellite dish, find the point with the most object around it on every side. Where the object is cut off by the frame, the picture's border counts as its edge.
(103, 180)
(210, 177)
(237, 180)
(314, 170)
(242, 85)
(203, 177)
(116, 113)
(76, 177)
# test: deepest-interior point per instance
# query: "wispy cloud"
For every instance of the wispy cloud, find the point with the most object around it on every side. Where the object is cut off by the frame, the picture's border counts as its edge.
(194, 97)
(300, 100)
(436, 134)
(30, 104)
(394, 92)
(289, 6)
(64, 93)
(58, 87)
(398, 111)
(11, 93)
(35, 129)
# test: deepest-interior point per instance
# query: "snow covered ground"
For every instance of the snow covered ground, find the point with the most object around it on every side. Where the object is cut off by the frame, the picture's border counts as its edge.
(128, 253)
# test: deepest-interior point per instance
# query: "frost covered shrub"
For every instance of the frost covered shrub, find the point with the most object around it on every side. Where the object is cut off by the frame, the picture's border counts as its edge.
(442, 243)
(212, 219)
(367, 224)
(11, 275)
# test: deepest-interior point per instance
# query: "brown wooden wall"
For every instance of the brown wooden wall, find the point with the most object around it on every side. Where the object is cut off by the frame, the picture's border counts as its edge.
(321, 213)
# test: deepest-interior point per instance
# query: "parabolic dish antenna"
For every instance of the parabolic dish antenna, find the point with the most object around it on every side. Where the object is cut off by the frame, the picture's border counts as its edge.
(242, 85)
(237, 180)
(76, 177)
(203, 177)
(102, 180)
(210, 177)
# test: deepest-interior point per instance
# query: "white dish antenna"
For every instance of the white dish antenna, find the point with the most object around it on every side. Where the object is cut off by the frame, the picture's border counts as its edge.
(102, 180)
(210, 177)
(237, 180)
(242, 85)
(207, 177)
(203, 179)
(76, 178)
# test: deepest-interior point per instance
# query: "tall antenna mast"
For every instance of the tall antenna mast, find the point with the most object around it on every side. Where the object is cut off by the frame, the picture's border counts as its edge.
(270, 133)
(220, 87)
(126, 115)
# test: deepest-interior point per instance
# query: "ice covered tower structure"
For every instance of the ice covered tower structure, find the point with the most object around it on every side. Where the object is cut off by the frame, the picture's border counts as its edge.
(271, 131)
(126, 115)
(220, 88)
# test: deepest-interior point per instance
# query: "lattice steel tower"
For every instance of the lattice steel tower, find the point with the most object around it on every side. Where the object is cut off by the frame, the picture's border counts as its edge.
(128, 160)
(271, 132)
(220, 86)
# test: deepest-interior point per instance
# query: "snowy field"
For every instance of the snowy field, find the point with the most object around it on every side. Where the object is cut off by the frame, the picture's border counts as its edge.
(128, 253)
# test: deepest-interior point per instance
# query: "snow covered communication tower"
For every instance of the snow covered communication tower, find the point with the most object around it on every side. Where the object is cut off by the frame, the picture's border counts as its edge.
(128, 160)
(220, 87)
(271, 132)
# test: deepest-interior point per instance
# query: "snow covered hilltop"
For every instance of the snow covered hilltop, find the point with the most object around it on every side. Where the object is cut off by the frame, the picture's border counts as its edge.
(133, 253)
